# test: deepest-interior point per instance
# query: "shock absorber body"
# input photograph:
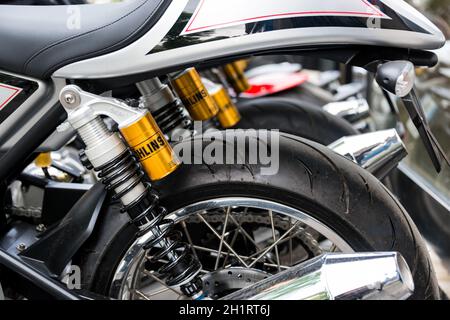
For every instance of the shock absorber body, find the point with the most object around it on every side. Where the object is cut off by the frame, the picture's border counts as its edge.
(168, 111)
(209, 101)
(228, 115)
(196, 98)
(234, 73)
(119, 169)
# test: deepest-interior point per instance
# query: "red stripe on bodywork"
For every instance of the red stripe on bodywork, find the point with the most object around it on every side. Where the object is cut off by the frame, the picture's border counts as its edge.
(342, 13)
(16, 92)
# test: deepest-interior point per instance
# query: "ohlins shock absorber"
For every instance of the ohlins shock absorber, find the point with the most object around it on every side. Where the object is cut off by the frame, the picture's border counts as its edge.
(235, 76)
(119, 169)
(195, 96)
(193, 89)
(168, 111)
(228, 115)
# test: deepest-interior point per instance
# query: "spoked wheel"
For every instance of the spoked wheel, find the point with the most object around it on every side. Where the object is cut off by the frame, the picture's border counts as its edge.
(317, 201)
(239, 241)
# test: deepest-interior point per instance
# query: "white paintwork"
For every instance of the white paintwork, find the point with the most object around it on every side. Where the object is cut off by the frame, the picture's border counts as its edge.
(416, 17)
(134, 59)
(7, 94)
(214, 14)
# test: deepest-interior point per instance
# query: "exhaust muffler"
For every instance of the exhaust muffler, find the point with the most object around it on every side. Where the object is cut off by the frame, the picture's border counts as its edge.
(377, 152)
(359, 276)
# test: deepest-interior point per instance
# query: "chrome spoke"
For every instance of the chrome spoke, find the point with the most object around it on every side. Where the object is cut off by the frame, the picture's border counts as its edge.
(167, 261)
(265, 264)
(274, 239)
(233, 240)
(273, 244)
(222, 238)
(286, 239)
(188, 236)
(203, 271)
(246, 234)
(289, 238)
(142, 295)
(242, 230)
(158, 292)
(199, 248)
(148, 296)
(150, 274)
(224, 242)
(290, 245)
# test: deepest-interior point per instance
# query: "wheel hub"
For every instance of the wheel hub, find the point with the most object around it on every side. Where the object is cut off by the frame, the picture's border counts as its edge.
(219, 283)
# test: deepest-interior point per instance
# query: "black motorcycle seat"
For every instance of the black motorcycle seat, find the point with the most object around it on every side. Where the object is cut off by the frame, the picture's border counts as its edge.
(37, 40)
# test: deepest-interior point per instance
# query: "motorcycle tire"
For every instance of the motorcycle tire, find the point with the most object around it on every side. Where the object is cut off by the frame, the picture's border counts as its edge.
(293, 116)
(311, 178)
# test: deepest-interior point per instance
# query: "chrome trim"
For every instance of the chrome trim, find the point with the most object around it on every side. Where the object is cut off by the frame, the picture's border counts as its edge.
(361, 276)
(377, 152)
(123, 277)
(351, 110)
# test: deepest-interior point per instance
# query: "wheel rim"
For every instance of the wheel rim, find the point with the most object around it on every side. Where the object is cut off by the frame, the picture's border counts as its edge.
(125, 280)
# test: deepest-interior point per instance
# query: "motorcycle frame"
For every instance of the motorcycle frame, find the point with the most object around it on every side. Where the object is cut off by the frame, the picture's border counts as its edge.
(41, 113)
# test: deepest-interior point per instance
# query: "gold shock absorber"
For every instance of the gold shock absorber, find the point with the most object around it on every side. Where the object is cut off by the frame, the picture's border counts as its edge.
(228, 115)
(243, 64)
(43, 160)
(151, 147)
(236, 77)
(195, 97)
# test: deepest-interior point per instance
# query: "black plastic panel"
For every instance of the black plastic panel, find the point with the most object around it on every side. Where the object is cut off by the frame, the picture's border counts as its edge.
(28, 88)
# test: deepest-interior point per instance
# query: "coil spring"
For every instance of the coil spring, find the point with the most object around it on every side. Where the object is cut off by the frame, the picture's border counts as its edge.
(182, 265)
(146, 211)
(119, 171)
(172, 116)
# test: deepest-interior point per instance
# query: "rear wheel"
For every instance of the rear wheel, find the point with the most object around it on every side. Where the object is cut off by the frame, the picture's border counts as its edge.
(318, 201)
(293, 116)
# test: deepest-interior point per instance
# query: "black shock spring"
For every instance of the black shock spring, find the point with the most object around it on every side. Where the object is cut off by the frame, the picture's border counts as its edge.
(145, 211)
(172, 116)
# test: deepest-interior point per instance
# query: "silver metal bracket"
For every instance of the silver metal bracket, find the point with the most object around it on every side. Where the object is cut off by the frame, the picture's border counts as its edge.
(83, 107)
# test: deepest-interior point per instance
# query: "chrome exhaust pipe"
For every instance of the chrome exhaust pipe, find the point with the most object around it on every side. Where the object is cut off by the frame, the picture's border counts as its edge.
(351, 110)
(359, 276)
(377, 152)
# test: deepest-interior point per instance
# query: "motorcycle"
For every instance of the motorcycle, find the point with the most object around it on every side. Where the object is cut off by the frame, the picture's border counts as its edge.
(202, 229)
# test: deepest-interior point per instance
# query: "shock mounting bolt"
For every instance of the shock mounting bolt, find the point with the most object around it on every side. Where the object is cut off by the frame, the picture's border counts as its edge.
(70, 98)
(21, 246)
